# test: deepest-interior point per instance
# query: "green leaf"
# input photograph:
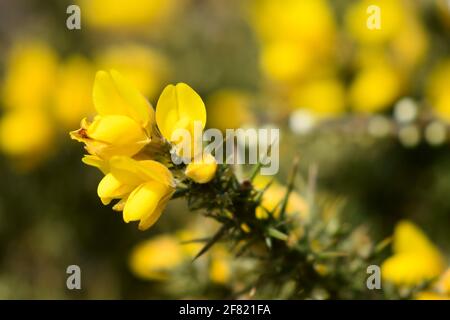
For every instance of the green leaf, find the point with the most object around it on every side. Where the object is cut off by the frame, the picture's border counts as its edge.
(274, 233)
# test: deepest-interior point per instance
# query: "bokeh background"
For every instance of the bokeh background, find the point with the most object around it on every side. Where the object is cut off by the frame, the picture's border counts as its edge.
(369, 108)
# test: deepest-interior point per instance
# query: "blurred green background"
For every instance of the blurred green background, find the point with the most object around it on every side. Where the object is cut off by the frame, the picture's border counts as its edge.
(370, 108)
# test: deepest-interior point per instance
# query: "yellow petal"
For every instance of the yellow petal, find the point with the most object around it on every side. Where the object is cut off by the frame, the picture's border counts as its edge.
(203, 171)
(116, 129)
(110, 188)
(114, 95)
(411, 268)
(148, 221)
(117, 135)
(127, 169)
(409, 238)
(177, 103)
(138, 107)
(120, 205)
(144, 200)
(97, 162)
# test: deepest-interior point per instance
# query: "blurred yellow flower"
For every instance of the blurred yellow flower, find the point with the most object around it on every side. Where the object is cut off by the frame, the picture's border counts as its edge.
(295, 36)
(374, 88)
(72, 95)
(286, 61)
(308, 22)
(324, 97)
(155, 258)
(145, 67)
(273, 197)
(26, 135)
(410, 44)
(220, 265)
(228, 109)
(439, 291)
(132, 16)
(437, 90)
(124, 122)
(185, 237)
(30, 75)
(143, 187)
(415, 258)
(202, 171)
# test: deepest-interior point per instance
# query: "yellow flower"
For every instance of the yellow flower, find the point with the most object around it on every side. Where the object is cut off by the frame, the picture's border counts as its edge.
(324, 97)
(228, 109)
(273, 197)
(30, 75)
(437, 90)
(410, 44)
(135, 15)
(143, 187)
(155, 258)
(286, 61)
(146, 68)
(309, 23)
(202, 171)
(124, 122)
(220, 268)
(415, 258)
(374, 88)
(73, 93)
(26, 135)
(180, 108)
(295, 36)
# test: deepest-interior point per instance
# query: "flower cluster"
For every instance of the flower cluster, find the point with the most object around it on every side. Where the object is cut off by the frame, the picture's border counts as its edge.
(131, 144)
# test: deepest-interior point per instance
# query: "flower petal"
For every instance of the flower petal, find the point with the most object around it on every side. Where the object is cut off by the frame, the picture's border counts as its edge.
(177, 103)
(143, 201)
(110, 188)
(202, 171)
(114, 95)
(97, 162)
(150, 220)
(126, 168)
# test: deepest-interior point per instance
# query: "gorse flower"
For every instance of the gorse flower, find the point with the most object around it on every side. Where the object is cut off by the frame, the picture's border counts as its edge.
(123, 123)
(143, 187)
(155, 258)
(159, 257)
(117, 137)
(179, 108)
(272, 199)
(202, 171)
(416, 259)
